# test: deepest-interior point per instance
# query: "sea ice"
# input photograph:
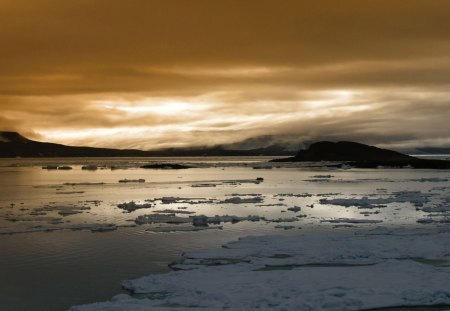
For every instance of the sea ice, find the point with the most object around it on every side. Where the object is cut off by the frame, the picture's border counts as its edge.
(140, 180)
(132, 206)
(415, 197)
(294, 209)
(90, 167)
(161, 218)
(174, 211)
(352, 221)
(182, 228)
(203, 185)
(315, 271)
(239, 200)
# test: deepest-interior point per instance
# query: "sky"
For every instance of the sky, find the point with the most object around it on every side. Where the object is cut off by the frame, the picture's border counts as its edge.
(152, 74)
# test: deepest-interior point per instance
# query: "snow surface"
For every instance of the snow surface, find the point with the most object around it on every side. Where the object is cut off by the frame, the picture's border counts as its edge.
(333, 271)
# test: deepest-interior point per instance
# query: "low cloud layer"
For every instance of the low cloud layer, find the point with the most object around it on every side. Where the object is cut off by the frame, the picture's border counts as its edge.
(172, 73)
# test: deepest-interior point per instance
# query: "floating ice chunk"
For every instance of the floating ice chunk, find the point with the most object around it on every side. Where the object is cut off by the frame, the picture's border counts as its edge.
(32, 218)
(165, 166)
(284, 227)
(50, 167)
(173, 200)
(140, 180)
(233, 219)
(182, 228)
(444, 220)
(436, 209)
(69, 192)
(50, 208)
(203, 185)
(292, 219)
(415, 197)
(68, 212)
(294, 209)
(161, 218)
(84, 184)
(174, 211)
(352, 221)
(262, 167)
(132, 206)
(46, 228)
(90, 167)
(64, 167)
(170, 200)
(97, 227)
(19, 230)
(103, 227)
(200, 220)
(239, 200)
(364, 201)
(432, 179)
(322, 176)
(300, 195)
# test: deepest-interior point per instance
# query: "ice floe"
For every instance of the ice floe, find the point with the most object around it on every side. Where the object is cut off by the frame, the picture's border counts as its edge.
(90, 167)
(314, 271)
(352, 221)
(295, 209)
(93, 227)
(197, 220)
(173, 211)
(132, 206)
(182, 228)
(203, 185)
(166, 166)
(429, 220)
(432, 179)
(140, 180)
(415, 197)
(161, 218)
(239, 200)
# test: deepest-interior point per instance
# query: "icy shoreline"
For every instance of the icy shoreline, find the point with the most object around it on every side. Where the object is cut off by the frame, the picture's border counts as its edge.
(333, 270)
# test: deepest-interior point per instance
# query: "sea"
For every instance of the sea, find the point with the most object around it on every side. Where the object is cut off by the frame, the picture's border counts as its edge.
(70, 236)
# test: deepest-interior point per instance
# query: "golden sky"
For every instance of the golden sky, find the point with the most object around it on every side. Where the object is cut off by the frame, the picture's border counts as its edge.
(172, 73)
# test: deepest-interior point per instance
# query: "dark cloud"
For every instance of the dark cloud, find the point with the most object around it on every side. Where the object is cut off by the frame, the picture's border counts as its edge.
(255, 68)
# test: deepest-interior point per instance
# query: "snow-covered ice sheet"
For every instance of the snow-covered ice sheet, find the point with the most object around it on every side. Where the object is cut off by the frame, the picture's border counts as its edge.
(333, 271)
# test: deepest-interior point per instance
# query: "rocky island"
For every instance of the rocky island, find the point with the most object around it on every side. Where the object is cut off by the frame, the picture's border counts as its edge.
(361, 156)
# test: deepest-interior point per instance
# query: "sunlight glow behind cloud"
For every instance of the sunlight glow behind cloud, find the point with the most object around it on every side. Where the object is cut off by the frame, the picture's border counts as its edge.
(189, 73)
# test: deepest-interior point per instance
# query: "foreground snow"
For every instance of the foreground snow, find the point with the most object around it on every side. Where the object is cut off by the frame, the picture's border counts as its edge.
(316, 271)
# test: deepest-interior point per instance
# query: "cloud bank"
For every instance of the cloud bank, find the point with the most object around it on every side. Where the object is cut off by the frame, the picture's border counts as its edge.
(173, 73)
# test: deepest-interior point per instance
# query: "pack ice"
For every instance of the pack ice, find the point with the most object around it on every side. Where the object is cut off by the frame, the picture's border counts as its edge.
(323, 270)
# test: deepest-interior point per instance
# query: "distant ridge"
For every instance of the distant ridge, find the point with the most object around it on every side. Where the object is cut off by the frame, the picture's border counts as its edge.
(361, 155)
(14, 145)
(348, 151)
(8, 137)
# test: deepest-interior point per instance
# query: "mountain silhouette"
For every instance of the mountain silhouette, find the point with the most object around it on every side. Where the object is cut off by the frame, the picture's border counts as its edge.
(14, 145)
(361, 156)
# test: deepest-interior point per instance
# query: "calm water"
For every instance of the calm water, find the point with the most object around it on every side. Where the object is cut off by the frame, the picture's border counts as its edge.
(54, 270)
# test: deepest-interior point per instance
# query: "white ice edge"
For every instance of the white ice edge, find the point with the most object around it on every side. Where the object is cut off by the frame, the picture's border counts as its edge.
(334, 271)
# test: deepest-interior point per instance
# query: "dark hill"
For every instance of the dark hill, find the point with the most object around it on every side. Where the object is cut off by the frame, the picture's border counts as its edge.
(14, 145)
(348, 151)
(12, 137)
(362, 156)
